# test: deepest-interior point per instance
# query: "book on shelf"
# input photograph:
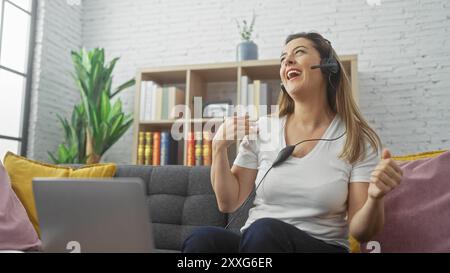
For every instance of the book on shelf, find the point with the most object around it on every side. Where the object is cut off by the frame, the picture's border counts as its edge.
(198, 149)
(143, 101)
(165, 103)
(169, 149)
(176, 97)
(158, 102)
(244, 85)
(156, 149)
(250, 100)
(207, 149)
(148, 158)
(255, 94)
(261, 97)
(164, 155)
(141, 149)
(158, 93)
(190, 149)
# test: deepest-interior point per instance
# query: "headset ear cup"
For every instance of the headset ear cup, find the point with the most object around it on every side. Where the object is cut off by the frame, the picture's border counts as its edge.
(329, 66)
(334, 68)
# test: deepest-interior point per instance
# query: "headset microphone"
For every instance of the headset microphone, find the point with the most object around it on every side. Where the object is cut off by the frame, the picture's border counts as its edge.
(323, 66)
(283, 155)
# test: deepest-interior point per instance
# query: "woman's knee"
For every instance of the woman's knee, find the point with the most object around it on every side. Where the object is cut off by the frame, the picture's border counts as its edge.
(210, 240)
(265, 226)
(265, 235)
(198, 240)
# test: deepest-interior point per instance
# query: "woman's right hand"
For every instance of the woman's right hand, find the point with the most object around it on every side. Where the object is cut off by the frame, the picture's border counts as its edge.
(233, 129)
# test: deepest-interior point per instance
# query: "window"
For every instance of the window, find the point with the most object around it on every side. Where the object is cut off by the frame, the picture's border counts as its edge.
(16, 40)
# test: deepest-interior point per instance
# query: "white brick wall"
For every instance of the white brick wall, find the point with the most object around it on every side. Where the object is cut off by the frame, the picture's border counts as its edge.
(403, 50)
(58, 31)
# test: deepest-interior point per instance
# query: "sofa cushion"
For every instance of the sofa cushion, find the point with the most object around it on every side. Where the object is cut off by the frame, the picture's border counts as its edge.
(417, 211)
(180, 199)
(143, 172)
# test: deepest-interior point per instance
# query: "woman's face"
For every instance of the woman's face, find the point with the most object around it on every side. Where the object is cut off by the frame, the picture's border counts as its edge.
(296, 74)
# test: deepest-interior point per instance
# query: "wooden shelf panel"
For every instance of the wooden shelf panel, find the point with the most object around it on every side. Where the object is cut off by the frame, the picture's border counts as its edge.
(270, 72)
(161, 126)
(204, 120)
(165, 77)
(170, 122)
(227, 74)
(161, 122)
(226, 65)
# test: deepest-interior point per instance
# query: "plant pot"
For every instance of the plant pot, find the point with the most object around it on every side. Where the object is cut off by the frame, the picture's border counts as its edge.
(247, 51)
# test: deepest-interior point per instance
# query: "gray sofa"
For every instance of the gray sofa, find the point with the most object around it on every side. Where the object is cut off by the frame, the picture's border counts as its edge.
(180, 199)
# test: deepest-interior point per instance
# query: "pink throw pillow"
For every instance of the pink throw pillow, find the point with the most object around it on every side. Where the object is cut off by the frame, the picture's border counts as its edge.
(16, 230)
(417, 213)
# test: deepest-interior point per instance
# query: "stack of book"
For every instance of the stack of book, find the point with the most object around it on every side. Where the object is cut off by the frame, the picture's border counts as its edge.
(198, 149)
(255, 96)
(158, 103)
(157, 149)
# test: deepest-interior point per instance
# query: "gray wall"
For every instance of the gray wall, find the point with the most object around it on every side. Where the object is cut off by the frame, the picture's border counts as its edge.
(402, 46)
(58, 31)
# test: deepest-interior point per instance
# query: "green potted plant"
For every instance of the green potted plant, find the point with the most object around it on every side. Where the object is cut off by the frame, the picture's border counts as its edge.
(247, 49)
(96, 122)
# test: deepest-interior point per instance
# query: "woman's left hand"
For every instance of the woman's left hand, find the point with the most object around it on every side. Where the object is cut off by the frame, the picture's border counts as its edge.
(386, 176)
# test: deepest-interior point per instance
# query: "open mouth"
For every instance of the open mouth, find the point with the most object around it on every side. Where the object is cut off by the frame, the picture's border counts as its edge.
(293, 73)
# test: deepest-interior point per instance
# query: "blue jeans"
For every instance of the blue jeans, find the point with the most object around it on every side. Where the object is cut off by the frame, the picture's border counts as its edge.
(263, 236)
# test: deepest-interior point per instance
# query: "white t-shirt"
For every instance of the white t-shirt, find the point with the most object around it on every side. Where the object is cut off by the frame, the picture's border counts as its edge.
(310, 192)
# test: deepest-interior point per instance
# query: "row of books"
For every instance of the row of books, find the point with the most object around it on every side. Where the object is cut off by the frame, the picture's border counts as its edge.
(199, 149)
(160, 149)
(254, 95)
(157, 149)
(158, 102)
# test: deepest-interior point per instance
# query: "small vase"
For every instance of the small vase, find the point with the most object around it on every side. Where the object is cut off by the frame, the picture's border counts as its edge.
(247, 51)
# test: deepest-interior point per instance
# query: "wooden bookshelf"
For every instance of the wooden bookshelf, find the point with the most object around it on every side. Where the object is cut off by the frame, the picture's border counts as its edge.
(214, 82)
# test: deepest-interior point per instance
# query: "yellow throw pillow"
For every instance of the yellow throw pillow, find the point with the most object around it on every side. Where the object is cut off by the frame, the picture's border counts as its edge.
(94, 171)
(419, 156)
(355, 247)
(22, 171)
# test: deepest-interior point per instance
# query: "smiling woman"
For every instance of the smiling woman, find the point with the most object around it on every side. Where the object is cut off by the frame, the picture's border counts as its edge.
(16, 21)
(320, 191)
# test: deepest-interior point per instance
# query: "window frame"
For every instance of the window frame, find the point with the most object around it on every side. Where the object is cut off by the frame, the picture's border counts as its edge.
(26, 102)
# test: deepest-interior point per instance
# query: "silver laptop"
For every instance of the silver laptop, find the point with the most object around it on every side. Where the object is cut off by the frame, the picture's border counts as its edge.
(93, 216)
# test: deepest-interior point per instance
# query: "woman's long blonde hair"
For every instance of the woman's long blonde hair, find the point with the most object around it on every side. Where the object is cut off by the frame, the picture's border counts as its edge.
(341, 101)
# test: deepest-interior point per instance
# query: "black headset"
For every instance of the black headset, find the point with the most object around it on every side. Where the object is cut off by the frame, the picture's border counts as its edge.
(329, 65)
